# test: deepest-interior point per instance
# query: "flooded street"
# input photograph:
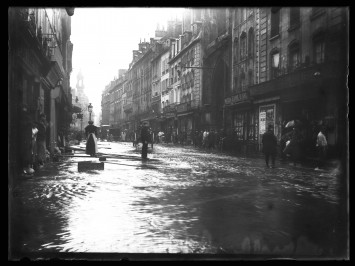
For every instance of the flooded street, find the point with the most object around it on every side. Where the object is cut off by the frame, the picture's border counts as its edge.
(182, 200)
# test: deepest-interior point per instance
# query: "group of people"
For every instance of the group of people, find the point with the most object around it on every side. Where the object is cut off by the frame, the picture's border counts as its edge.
(292, 146)
(33, 135)
(208, 139)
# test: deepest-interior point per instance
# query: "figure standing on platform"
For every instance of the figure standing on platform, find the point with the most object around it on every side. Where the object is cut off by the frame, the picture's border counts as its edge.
(91, 143)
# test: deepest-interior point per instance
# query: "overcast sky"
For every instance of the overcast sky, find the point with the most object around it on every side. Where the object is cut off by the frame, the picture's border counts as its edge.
(103, 41)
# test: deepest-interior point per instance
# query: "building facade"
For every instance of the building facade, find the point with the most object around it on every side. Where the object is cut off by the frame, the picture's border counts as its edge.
(39, 67)
(237, 70)
(302, 72)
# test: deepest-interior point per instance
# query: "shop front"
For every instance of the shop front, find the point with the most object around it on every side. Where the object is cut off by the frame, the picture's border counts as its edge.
(241, 123)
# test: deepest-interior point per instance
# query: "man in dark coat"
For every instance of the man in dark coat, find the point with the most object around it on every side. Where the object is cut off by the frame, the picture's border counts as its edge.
(269, 146)
(145, 137)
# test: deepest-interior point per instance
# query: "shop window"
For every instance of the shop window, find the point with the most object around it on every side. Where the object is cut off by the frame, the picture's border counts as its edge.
(239, 125)
(318, 49)
(294, 56)
(275, 22)
(275, 65)
(252, 128)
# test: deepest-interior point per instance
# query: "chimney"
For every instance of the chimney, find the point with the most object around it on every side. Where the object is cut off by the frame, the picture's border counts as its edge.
(135, 54)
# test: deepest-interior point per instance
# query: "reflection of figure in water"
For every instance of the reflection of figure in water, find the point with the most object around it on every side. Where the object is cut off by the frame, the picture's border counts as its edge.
(91, 143)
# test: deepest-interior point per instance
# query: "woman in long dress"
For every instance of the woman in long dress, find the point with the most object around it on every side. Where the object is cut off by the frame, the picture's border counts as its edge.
(91, 142)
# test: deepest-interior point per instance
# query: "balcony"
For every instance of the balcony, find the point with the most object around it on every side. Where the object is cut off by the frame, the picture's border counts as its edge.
(156, 98)
(128, 107)
(171, 108)
(185, 107)
(299, 78)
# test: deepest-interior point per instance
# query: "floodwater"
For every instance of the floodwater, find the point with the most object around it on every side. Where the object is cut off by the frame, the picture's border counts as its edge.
(182, 200)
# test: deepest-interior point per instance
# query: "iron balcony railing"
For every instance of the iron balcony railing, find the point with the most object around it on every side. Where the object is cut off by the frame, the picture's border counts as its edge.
(186, 106)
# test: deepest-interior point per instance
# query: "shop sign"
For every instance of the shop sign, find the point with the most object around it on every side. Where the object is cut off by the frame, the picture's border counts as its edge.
(243, 96)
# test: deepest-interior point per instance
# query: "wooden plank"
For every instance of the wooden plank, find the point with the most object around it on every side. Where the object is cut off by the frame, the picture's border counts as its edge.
(87, 166)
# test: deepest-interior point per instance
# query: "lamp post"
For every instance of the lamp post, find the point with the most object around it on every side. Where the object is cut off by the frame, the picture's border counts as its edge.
(90, 107)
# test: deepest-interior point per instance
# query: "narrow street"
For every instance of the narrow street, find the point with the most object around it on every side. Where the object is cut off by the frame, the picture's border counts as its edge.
(182, 200)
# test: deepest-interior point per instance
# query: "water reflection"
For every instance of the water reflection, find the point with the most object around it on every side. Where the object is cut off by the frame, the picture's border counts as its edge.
(182, 201)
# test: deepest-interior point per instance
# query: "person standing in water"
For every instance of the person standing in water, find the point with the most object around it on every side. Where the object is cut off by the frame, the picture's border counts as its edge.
(91, 143)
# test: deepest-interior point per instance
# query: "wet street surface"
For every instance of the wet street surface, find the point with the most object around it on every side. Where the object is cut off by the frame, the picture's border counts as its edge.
(182, 200)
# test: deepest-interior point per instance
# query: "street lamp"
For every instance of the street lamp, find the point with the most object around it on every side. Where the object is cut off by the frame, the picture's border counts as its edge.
(90, 107)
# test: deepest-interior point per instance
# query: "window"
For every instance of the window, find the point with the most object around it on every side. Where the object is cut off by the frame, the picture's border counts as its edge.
(318, 49)
(252, 127)
(244, 14)
(192, 56)
(243, 46)
(239, 120)
(251, 42)
(235, 50)
(250, 77)
(242, 81)
(235, 82)
(275, 64)
(221, 21)
(275, 21)
(294, 17)
(294, 56)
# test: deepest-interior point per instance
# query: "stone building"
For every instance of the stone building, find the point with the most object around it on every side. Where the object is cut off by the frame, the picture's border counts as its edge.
(185, 86)
(39, 67)
(217, 65)
(289, 64)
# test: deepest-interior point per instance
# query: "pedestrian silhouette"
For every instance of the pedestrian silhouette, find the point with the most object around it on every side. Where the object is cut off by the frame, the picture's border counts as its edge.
(269, 142)
(145, 136)
(91, 143)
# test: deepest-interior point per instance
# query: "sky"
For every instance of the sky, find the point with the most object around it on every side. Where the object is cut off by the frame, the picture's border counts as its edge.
(103, 40)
